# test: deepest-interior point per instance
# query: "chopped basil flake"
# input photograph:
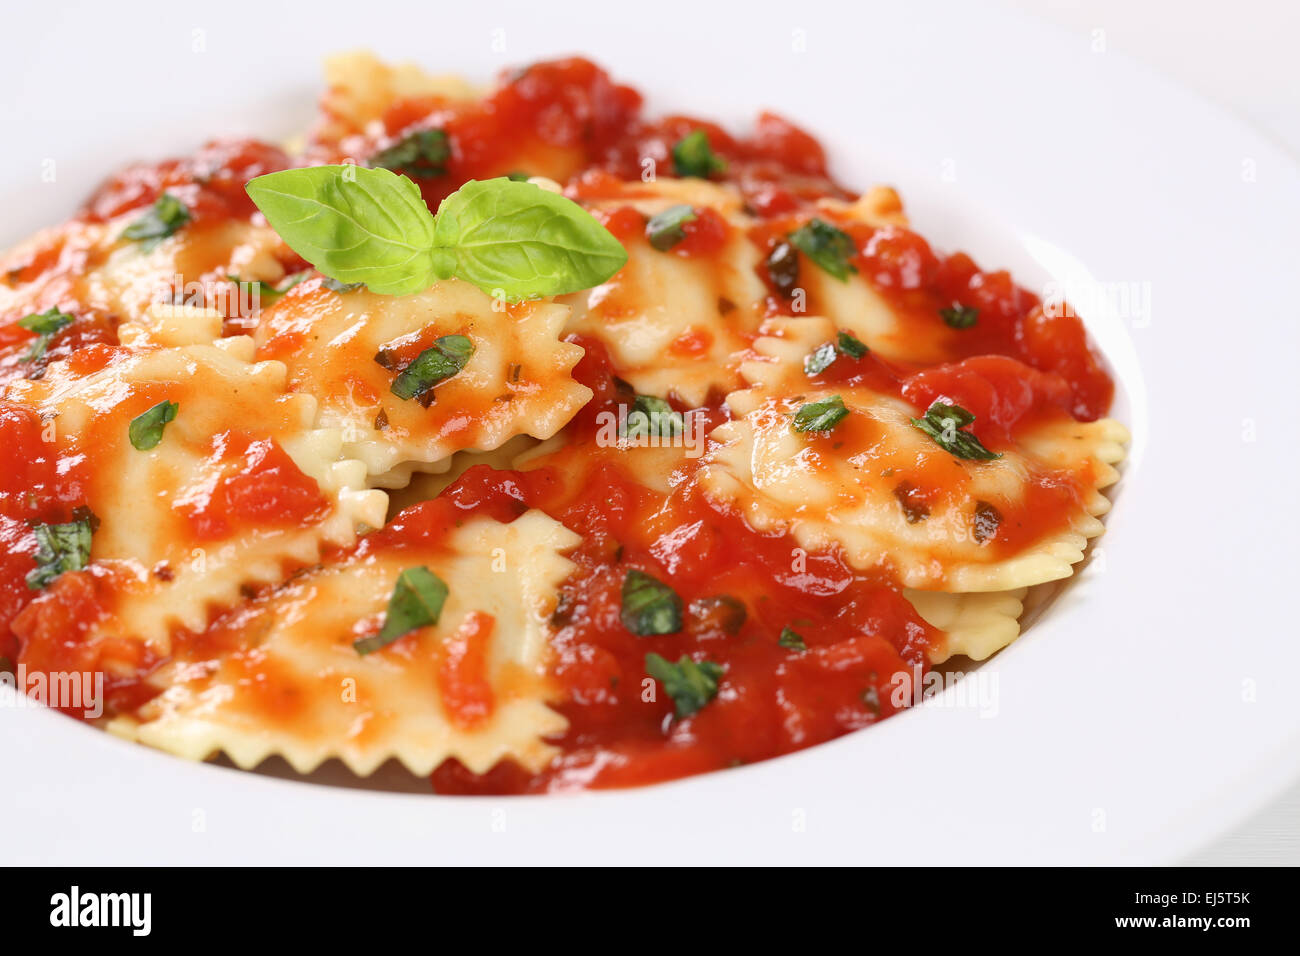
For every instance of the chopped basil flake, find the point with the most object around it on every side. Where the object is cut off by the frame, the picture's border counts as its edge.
(944, 422)
(146, 429)
(518, 176)
(59, 548)
(691, 685)
(45, 325)
(649, 605)
(163, 218)
(827, 246)
(422, 154)
(820, 359)
(417, 600)
(820, 416)
(693, 156)
(849, 345)
(960, 316)
(665, 229)
(435, 364)
(791, 640)
(653, 417)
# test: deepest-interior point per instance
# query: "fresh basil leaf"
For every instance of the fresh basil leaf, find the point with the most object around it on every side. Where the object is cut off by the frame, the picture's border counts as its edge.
(791, 640)
(59, 548)
(820, 416)
(691, 685)
(423, 153)
(435, 364)
(649, 605)
(146, 429)
(944, 422)
(827, 246)
(693, 156)
(665, 229)
(651, 416)
(163, 218)
(960, 316)
(353, 224)
(820, 359)
(522, 240)
(45, 325)
(416, 601)
(850, 345)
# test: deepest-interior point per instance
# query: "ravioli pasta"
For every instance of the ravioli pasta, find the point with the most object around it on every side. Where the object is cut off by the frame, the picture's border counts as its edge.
(696, 515)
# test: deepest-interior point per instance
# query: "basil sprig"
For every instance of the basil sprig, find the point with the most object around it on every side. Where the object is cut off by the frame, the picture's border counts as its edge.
(371, 225)
(59, 548)
(416, 601)
(649, 605)
(820, 416)
(146, 429)
(693, 156)
(45, 325)
(691, 685)
(163, 219)
(827, 246)
(944, 423)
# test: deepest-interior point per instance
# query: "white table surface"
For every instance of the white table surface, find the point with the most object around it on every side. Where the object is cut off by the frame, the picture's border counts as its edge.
(1240, 55)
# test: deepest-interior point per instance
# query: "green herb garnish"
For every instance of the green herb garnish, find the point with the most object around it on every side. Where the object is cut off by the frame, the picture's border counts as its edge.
(960, 316)
(691, 685)
(827, 246)
(423, 154)
(146, 429)
(791, 640)
(821, 358)
(693, 156)
(649, 605)
(435, 364)
(45, 325)
(820, 416)
(665, 229)
(417, 600)
(163, 218)
(59, 548)
(944, 423)
(651, 416)
(372, 226)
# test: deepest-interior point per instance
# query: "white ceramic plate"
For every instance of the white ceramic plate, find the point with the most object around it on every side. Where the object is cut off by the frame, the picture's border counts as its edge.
(1151, 707)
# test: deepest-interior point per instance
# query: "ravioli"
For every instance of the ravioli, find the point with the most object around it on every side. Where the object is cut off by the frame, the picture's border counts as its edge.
(675, 324)
(280, 675)
(163, 549)
(848, 488)
(516, 382)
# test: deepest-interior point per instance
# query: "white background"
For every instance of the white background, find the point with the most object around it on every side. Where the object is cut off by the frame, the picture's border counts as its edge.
(1241, 55)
